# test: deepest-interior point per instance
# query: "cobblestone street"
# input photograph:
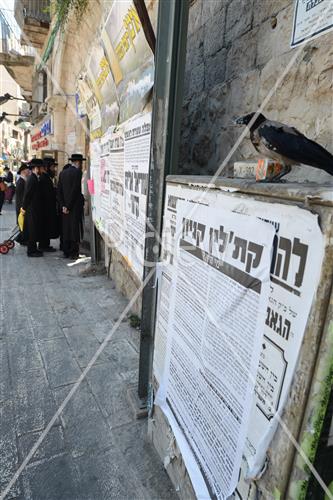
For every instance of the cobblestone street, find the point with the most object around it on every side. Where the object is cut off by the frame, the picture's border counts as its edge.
(53, 320)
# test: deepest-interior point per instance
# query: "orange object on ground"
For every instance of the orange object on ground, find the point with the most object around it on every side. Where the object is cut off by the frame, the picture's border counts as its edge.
(267, 168)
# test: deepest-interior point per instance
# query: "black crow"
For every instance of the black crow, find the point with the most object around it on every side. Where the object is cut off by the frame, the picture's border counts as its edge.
(285, 144)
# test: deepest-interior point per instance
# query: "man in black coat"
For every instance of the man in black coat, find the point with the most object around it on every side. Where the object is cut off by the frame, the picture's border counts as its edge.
(32, 209)
(71, 201)
(50, 220)
(9, 179)
(24, 173)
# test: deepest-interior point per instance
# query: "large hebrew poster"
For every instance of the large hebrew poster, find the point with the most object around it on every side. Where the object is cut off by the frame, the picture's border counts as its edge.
(295, 270)
(215, 330)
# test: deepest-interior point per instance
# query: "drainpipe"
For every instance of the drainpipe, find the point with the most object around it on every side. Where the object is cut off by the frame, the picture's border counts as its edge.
(167, 108)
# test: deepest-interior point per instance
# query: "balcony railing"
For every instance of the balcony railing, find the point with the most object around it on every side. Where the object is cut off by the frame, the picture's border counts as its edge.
(33, 17)
(38, 10)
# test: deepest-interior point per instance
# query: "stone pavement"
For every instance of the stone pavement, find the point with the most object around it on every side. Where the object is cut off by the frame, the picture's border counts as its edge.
(52, 320)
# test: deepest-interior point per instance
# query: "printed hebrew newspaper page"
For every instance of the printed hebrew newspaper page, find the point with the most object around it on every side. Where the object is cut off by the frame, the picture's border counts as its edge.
(137, 133)
(215, 330)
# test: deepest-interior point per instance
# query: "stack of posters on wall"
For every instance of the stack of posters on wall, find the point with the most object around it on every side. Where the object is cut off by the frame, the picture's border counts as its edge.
(129, 55)
(115, 88)
(120, 184)
(294, 275)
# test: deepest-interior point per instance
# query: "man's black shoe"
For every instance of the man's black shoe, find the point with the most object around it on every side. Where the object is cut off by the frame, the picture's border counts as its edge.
(35, 254)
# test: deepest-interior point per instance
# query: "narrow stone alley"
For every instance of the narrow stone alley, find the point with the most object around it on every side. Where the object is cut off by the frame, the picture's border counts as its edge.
(53, 319)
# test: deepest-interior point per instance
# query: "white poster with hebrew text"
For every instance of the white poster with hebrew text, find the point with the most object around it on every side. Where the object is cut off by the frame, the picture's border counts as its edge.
(215, 331)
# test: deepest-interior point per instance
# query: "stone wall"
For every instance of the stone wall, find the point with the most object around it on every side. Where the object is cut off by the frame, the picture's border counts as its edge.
(236, 52)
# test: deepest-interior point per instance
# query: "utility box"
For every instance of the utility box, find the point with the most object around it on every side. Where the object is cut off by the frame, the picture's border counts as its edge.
(243, 352)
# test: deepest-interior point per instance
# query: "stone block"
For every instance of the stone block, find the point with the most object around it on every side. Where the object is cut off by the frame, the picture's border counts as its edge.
(272, 42)
(4, 373)
(105, 474)
(197, 79)
(34, 403)
(110, 392)
(52, 445)
(24, 354)
(241, 55)
(195, 49)
(55, 478)
(242, 97)
(61, 367)
(264, 9)
(238, 19)
(203, 150)
(83, 414)
(194, 17)
(8, 449)
(214, 33)
(84, 344)
(187, 85)
(210, 8)
(141, 456)
(215, 69)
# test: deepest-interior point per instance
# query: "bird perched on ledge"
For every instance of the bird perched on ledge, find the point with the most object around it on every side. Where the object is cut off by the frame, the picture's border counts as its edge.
(285, 145)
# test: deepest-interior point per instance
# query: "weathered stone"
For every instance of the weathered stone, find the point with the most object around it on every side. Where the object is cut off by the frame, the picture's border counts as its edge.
(60, 364)
(106, 384)
(238, 19)
(242, 97)
(195, 50)
(8, 449)
(197, 79)
(241, 56)
(272, 42)
(203, 150)
(144, 460)
(214, 33)
(194, 18)
(33, 401)
(55, 478)
(263, 9)
(52, 445)
(210, 8)
(82, 413)
(215, 69)
(83, 344)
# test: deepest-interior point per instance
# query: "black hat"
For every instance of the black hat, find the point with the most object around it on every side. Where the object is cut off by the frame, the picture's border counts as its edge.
(77, 157)
(36, 162)
(49, 160)
(23, 166)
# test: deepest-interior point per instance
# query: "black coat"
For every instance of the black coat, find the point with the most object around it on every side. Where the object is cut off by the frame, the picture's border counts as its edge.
(71, 197)
(32, 206)
(9, 177)
(20, 187)
(50, 219)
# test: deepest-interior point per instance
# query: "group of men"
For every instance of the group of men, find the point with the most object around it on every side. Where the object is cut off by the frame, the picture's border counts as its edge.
(51, 212)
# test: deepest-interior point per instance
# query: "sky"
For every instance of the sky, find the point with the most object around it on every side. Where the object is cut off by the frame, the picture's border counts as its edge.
(7, 7)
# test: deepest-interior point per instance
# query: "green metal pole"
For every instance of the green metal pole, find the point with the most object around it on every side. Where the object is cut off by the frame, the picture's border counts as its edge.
(167, 108)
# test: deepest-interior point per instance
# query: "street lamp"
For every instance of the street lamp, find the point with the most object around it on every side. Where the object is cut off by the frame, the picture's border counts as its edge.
(7, 97)
(4, 115)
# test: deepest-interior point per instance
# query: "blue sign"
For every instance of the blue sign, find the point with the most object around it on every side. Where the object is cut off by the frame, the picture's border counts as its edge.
(46, 128)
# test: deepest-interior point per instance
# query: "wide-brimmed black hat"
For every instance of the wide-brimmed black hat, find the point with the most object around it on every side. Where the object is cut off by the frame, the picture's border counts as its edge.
(36, 162)
(77, 157)
(23, 166)
(49, 160)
